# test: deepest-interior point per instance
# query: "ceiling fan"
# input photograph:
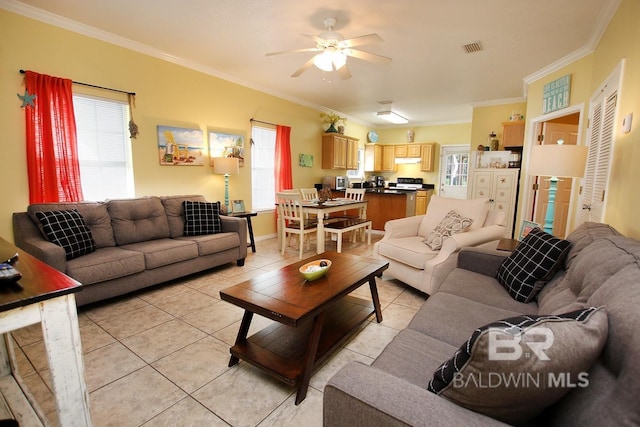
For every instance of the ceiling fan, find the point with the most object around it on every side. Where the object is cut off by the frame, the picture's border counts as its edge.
(334, 49)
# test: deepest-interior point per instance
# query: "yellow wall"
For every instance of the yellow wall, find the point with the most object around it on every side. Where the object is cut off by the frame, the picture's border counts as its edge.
(587, 74)
(167, 94)
(489, 119)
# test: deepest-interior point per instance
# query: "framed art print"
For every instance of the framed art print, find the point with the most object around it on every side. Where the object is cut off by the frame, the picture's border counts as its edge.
(237, 206)
(526, 227)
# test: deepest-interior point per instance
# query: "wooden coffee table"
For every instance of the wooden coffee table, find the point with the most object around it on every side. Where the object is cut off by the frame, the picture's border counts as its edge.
(313, 318)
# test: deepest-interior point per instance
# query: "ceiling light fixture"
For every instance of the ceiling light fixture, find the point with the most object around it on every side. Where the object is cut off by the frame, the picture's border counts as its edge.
(388, 115)
(392, 117)
(329, 59)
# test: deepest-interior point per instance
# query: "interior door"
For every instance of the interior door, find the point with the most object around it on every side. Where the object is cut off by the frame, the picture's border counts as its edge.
(454, 171)
(552, 132)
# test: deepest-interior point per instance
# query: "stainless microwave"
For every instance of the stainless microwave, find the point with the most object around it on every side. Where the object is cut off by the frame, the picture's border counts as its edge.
(335, 182)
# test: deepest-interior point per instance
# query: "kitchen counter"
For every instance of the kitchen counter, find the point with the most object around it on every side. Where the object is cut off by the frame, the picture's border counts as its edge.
(386, 204)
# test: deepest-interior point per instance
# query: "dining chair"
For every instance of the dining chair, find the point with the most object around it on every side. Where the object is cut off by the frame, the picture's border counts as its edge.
(293, 221)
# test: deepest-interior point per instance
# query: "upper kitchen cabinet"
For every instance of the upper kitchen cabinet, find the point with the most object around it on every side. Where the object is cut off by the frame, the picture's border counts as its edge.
(427, 157)
(339, 151)
(373, 158)
(388, 158)
(513, 134)
(407, 151)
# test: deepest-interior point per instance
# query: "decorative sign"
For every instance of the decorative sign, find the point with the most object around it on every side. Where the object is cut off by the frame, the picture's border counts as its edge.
(555, 95)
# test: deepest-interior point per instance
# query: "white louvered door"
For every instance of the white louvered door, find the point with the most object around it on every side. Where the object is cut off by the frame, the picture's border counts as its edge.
(600, 136)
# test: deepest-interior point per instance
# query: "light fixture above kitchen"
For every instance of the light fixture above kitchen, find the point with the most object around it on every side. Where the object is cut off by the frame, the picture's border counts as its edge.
(389, 115)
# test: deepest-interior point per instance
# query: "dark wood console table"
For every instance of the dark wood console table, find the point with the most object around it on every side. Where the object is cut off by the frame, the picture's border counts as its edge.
(46, 296)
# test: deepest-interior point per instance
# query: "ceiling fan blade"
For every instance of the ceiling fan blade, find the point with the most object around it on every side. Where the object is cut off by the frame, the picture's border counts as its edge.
(316, 39)
(304, 68)
(366, 39)
(344, 72)
(378, 59)
(308, 49)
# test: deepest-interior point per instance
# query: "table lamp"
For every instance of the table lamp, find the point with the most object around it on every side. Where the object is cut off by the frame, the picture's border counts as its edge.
(226, 166)
(555, 161)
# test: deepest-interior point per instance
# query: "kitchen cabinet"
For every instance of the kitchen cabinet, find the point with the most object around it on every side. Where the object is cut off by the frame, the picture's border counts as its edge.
(383, 207)
(373, 158)
(427, 157)
(408, 151)
(422, 201)
(388, 158)
(500, 186)
(513, 134)
(339, 151)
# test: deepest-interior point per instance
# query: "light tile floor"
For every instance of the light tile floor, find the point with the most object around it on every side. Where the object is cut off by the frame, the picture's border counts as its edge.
(159, 357)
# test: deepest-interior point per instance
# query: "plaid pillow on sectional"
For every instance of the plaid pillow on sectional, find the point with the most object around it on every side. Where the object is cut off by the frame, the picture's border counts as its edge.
(201, 218)
(68, 230)
(530, 266)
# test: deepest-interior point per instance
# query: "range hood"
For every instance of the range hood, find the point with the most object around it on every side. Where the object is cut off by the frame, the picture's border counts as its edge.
(406, 160)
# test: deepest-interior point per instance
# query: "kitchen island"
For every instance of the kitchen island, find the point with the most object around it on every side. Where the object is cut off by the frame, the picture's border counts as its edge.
(386, 204)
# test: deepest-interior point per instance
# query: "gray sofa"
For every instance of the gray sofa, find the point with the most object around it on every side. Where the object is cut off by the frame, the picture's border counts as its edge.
(602, 269)
(140, 242)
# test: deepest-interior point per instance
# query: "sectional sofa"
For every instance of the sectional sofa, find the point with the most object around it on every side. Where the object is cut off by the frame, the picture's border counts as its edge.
(136, 243)
(441, 371)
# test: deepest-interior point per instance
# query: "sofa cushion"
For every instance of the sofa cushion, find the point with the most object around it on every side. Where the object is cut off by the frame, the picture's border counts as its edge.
(407, 250)
(105, 264)
(138, 220)
(476, 209)
(532, 264)
(213, 243)
(452, 223)
(201, 218)
(175, 212)
(584, 235)
(514, 382)
(68, 230)
(161, 252)
(95, 215)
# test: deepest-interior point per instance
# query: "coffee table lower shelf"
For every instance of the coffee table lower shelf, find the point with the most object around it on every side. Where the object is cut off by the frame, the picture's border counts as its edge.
(281, 350)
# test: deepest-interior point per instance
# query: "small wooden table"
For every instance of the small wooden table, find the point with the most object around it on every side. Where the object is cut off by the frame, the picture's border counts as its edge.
(247, 216)
(46, 296)
(313, 318)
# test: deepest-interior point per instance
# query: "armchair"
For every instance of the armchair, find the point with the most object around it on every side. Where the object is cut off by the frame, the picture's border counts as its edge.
(416, 264)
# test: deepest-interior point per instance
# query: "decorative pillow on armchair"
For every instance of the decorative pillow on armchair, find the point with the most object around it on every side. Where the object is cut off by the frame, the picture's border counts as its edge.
(532, 264)
(514, 368)
(453, 223)
(201, 218)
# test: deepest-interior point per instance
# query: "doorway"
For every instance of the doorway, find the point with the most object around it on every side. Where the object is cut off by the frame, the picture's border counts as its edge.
(454, 171)
(566, 126)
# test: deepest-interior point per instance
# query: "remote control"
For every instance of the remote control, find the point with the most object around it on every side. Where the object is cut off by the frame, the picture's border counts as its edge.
(8, 273)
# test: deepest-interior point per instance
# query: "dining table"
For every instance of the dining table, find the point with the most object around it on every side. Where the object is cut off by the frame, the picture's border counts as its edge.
(321, 210)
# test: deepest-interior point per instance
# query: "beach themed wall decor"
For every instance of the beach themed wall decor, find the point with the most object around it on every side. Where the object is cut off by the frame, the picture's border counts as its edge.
(226, 144)
(181, 147)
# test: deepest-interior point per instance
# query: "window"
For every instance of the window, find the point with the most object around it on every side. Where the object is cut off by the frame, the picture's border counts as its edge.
(358, 173)
(263, 184)
(104, 148)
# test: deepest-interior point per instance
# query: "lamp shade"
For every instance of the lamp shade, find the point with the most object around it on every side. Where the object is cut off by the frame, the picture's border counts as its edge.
(558, 160)
(226, 165)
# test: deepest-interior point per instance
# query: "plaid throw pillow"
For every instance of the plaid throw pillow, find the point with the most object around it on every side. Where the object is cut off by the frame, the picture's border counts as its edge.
(453, 223)
(507, 368)
(201, 218)
(530, 266)
(68, 230)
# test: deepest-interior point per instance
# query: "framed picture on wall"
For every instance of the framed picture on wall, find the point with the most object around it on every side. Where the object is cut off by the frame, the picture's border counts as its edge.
(527, 226)
(180, 146)
(226, 144)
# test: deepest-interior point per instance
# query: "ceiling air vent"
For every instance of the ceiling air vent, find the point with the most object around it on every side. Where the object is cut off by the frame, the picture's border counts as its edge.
(472, 47)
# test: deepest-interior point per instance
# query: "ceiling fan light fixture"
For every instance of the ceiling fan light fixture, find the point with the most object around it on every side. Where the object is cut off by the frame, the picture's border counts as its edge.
(339, 59)
(392, 117)
(324, 61)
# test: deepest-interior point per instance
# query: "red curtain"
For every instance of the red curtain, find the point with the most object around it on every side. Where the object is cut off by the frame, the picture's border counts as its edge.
(284, 180)
(52, 149)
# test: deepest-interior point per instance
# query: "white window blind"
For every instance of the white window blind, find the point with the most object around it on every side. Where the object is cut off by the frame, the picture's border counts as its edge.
(104, 148)
(263, 168)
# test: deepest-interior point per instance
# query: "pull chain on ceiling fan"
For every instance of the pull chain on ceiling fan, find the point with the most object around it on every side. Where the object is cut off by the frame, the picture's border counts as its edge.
(334, 49)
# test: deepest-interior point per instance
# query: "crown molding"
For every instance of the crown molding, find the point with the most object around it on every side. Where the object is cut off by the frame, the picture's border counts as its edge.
(494, 102)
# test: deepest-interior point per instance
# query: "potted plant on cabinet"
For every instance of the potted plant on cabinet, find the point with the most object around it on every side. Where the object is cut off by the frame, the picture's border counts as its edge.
(332, 119)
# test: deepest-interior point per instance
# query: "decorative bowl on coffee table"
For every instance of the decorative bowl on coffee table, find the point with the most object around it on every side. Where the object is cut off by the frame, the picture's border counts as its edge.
(315, 269)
